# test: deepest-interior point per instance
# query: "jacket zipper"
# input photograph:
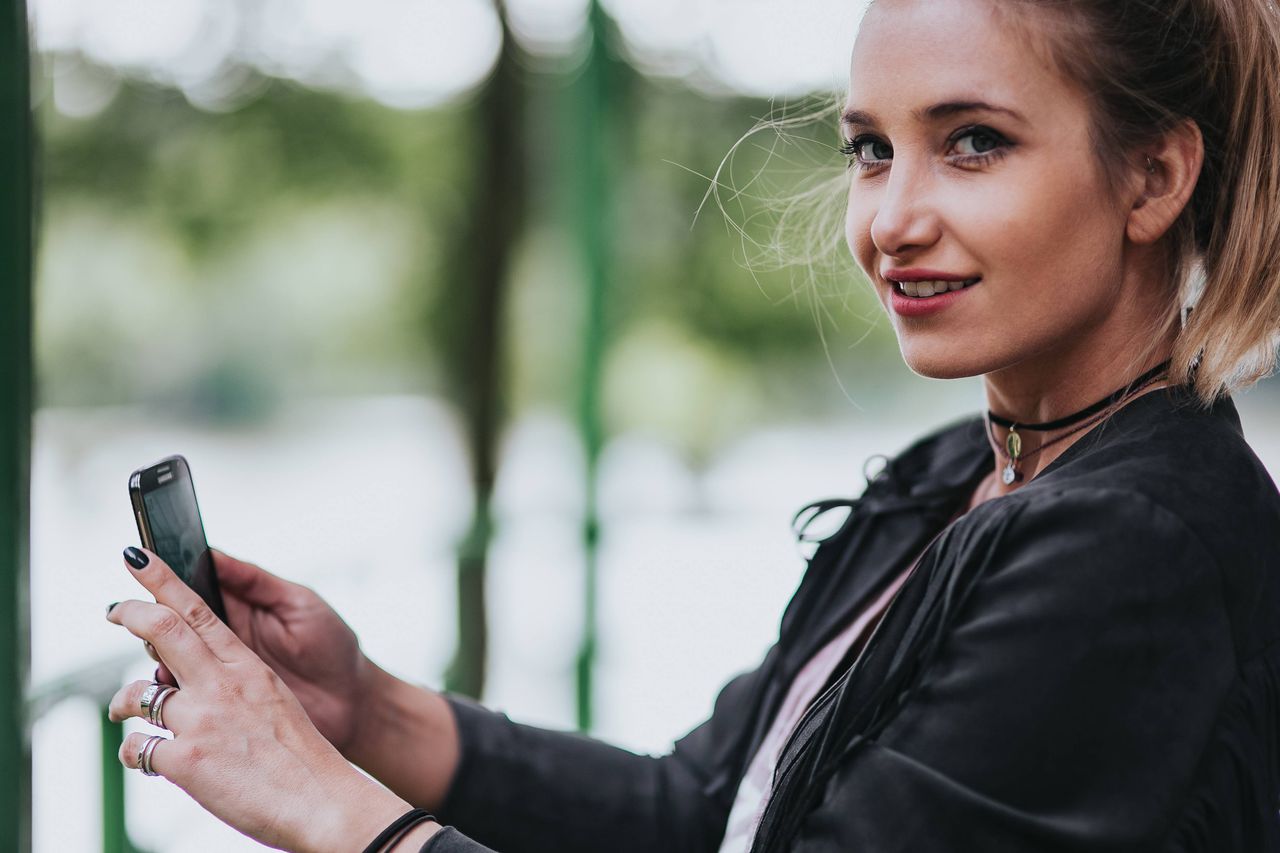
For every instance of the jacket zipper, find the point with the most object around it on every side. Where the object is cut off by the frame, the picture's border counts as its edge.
(822, 699)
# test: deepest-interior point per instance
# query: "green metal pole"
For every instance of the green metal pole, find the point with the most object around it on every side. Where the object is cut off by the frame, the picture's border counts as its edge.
(115, 835)
(593, 108)
(16, 250)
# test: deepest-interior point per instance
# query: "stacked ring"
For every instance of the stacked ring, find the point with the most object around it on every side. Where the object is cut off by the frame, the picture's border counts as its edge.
(152, 698)
(149, 695)
(144, 755)
(155, 714)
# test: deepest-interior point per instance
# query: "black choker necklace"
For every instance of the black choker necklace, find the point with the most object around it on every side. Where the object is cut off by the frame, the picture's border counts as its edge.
(1013, 442)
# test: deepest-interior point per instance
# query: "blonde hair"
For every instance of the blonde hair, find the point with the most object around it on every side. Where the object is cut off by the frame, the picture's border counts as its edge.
(786, 207)
(1148, 66)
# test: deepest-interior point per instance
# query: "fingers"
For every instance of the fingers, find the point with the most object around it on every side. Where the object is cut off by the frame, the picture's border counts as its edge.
(249, 582)
(164, 676)
(186, 654)
(170, 590)
(127, 702)
(160, 759)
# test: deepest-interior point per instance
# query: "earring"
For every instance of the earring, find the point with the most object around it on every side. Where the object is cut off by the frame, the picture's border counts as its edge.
(1151, 165)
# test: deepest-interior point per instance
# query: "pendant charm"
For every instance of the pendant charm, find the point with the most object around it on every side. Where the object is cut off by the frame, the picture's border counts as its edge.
(1013, 447)
(1013, 444)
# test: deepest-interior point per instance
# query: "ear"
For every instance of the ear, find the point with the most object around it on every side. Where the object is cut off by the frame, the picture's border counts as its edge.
(1169, 172)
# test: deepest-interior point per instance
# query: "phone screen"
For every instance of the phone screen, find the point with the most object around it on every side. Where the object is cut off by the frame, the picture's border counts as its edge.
(177, 533)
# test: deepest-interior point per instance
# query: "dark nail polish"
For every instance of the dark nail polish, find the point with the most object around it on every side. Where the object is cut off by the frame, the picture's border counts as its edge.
(112, 606)
(136, 558)
(157, 675)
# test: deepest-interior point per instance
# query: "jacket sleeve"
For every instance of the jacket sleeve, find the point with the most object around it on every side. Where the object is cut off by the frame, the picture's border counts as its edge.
(524, 789)
(1074, 692)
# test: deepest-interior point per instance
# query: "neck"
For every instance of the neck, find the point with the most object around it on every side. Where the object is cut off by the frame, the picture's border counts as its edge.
(1071, 395)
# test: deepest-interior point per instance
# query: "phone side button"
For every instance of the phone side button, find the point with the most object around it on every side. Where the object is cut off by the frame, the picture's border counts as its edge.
(142, 530)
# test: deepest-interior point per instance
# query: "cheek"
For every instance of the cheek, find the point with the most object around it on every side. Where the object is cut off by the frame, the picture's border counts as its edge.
(858, 216)
(1055, 233)
(1041, 228)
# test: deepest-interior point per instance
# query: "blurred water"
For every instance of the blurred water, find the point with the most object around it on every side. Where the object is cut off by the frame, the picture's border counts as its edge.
(362, 499)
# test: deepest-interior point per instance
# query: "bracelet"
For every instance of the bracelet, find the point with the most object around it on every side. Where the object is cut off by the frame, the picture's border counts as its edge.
(397, 830)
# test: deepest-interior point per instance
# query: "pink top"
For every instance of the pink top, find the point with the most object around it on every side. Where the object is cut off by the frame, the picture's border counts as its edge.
(753, 792)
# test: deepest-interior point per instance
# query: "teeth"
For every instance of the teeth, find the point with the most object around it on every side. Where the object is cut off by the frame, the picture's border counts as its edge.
(924, 289)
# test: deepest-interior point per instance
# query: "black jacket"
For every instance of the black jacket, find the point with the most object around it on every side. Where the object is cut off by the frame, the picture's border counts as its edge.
(1090, 663)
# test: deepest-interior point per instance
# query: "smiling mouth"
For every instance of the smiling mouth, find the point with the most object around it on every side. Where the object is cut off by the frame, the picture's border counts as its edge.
(925, 289)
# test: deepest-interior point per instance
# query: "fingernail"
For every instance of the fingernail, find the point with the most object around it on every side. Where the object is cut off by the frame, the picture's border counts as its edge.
(157, 675)
(136, 558)
(111, 606)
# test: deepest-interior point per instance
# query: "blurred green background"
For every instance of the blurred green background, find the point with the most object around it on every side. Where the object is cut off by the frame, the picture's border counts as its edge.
(278, 237)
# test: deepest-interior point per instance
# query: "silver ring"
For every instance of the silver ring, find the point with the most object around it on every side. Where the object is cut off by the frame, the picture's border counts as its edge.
(155, 714)
(148, 696)
(144, 755)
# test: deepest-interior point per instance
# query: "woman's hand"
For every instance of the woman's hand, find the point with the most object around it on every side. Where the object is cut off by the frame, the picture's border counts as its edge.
(304, 641)
(243, 746)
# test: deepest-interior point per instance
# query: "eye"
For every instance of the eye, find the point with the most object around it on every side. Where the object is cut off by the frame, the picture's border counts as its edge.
(977, 142)
(867, 151)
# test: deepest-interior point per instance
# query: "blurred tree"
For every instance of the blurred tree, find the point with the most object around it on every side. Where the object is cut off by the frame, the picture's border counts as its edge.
(467, 326)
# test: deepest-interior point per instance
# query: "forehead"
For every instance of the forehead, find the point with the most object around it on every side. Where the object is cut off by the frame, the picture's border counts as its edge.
(912, 53)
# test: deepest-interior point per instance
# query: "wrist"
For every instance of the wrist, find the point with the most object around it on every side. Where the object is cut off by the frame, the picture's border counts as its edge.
(406, 738)
(373, 686)
(356, 816)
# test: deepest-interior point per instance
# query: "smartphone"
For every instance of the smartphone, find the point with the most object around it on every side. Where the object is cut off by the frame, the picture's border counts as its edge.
(168, 516)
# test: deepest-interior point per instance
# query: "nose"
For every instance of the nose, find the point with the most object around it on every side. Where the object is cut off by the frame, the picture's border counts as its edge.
(905, 220)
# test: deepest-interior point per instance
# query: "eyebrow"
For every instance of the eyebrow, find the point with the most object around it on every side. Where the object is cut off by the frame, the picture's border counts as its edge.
(933, 113)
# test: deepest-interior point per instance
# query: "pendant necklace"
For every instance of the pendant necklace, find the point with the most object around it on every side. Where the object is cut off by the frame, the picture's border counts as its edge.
(1012, 449)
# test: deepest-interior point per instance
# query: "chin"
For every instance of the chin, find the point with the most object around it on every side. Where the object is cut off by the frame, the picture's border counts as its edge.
(945, 365)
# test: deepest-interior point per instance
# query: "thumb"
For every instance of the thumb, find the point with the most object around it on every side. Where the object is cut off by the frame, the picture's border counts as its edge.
(249, 582)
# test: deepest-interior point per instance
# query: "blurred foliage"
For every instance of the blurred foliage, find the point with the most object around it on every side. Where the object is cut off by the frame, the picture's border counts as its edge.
(296, 245)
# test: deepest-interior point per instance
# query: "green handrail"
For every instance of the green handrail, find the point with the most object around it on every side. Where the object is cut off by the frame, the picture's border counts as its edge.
(97, 681)
(16, 251)
(115, 836)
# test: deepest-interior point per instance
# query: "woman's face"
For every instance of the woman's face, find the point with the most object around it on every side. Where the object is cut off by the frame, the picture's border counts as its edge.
(972, 161)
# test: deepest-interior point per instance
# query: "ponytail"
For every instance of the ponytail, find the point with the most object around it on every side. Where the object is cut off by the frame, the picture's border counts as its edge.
(1235, 327)
(1148, 66)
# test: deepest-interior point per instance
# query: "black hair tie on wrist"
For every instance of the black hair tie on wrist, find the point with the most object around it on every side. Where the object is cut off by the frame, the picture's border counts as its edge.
(398, 829)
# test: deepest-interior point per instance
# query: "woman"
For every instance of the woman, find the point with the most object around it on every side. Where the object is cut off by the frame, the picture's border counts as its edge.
(1055, 627)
